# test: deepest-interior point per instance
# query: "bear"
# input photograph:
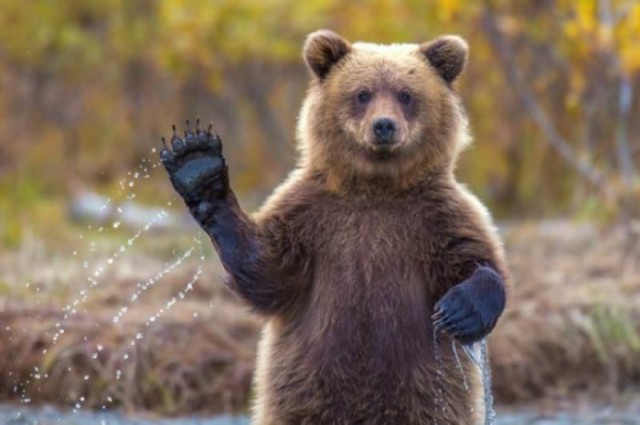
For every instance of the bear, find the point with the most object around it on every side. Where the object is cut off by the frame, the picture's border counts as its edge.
(370, 262)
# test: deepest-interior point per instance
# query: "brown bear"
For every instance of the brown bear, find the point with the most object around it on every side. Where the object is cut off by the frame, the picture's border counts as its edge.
(370, 262)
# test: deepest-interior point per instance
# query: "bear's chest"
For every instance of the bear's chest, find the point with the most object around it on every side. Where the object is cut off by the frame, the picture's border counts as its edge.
(369, 297)
(370, 232)
(367, 248)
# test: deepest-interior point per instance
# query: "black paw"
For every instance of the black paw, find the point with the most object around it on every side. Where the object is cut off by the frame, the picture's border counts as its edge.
(470, 310)
(196, 167)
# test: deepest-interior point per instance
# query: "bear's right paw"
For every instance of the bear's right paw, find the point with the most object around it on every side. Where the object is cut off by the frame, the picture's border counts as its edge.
(196, 167)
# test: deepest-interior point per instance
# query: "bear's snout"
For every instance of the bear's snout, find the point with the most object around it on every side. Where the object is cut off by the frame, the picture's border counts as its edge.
(384, 130)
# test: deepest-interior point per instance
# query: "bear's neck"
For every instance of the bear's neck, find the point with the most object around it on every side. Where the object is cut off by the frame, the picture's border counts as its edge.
(348, 182)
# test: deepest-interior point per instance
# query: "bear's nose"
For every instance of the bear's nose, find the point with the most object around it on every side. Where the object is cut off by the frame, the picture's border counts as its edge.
(384, 128)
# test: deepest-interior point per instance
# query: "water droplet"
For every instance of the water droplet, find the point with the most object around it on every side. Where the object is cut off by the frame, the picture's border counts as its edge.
(116, 224)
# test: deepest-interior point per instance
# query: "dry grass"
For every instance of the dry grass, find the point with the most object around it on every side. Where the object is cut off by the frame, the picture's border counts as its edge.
(178, 365)
(194, 354)
(573, 326)
(573, 323)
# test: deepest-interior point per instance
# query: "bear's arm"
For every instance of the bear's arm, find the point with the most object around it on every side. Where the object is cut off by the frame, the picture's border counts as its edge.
(266, 265)
(473, 278)
(462, 254)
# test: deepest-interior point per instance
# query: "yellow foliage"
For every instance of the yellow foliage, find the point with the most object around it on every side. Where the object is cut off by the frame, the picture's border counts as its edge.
(93, 84)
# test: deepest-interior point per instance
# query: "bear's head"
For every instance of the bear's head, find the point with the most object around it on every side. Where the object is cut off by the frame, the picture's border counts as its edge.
(385, 111)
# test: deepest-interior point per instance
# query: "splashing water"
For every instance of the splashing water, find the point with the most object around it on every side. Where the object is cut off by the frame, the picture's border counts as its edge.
(71, 308)
(179, 296)
(188, 287)
(439, 397)
(479, 355)
(144, 286)
(95, 276)
(465, 383)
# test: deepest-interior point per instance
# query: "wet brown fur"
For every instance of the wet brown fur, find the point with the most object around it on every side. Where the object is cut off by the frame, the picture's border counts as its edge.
(375, 241)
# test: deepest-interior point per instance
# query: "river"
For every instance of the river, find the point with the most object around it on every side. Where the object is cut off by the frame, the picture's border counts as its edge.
(20, 415)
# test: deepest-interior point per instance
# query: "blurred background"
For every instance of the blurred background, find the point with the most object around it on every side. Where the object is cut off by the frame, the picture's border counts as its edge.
(87, 88)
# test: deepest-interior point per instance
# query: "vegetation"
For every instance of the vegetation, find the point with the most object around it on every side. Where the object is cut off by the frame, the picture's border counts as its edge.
(87, 88)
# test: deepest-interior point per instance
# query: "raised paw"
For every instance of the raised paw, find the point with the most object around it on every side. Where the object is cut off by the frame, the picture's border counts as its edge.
(470, 310)
(196, 166)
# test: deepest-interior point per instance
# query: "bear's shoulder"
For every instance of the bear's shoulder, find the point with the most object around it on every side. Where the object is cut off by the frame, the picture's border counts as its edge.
(297, 194)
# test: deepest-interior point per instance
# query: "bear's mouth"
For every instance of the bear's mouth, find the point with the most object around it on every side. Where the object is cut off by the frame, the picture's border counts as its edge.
(384, 149)
(383, 152)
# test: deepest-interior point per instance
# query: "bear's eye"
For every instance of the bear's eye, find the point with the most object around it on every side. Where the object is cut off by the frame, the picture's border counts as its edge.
(364, 96)
(404, 97)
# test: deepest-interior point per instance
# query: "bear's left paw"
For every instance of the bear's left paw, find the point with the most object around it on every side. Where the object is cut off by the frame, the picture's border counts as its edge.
(470, 310)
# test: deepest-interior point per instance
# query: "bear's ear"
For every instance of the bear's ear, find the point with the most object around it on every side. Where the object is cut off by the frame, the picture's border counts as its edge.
(322, 50)
(447, 54)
